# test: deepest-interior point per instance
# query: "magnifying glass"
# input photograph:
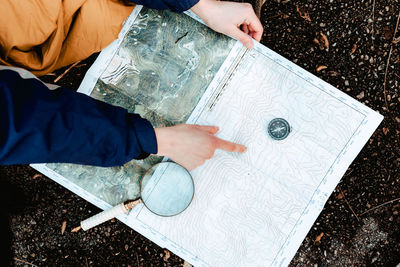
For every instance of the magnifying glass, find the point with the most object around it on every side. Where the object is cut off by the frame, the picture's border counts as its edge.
(166, 189)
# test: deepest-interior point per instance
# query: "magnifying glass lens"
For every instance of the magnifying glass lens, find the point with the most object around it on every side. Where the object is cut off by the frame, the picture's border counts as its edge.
(167, 189)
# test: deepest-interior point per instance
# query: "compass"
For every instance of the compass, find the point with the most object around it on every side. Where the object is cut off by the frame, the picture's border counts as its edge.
(278, 129)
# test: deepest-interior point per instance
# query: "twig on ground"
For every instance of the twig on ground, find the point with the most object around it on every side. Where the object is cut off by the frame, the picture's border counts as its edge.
(16, 259)
(275, 16)
(388, 60)
(258, 6)
(348, 204)
(373, 23)
(348, 173)
(65, 72)
(80, 65)
(381, 205)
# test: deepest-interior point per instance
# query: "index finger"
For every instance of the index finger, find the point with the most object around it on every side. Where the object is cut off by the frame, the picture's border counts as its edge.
(229, 146)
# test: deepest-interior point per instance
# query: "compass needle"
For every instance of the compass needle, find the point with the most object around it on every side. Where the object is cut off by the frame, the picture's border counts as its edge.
(278, 129)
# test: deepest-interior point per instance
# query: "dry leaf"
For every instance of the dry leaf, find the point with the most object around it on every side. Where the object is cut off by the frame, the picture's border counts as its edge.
(318, 239)
(321, 67)
(387, 33)
(167, 255)
(341, 194)
(385, 131)
(63, 226)
(353, 50)
(76, 229)
(333, 73)
(38, 175)
(396, 40)
(316, 41)
(303, 13)
(324, 40)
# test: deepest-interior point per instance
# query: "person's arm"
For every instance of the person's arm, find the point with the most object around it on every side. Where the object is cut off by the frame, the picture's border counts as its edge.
(38, 125)
(174, 5)
(237, 20)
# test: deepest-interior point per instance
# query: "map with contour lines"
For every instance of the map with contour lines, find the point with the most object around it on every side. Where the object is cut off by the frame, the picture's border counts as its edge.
(250, 209)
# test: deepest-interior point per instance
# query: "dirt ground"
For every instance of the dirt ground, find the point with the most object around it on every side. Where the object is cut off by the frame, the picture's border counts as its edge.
(360, 224)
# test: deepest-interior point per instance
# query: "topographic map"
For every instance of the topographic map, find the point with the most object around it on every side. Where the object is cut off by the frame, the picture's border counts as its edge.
(250, 209)
(158, 74)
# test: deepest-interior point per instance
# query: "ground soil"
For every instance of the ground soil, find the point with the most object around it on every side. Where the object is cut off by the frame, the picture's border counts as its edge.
(348, 232)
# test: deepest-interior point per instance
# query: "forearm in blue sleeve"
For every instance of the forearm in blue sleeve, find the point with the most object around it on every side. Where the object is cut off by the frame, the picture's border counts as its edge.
(38, 125)
(174, 5)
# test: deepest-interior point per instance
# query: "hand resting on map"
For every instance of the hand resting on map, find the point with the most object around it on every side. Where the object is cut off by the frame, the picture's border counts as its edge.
(191, 145)
(234, 19)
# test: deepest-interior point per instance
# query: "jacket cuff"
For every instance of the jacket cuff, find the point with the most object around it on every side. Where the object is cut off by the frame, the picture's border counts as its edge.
(145, 134)
(184, 5)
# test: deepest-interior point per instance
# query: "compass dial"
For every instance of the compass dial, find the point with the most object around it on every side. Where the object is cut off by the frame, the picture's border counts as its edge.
(278, 129)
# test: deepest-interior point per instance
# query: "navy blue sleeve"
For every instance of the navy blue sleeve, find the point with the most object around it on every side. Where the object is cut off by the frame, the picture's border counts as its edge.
(174, 5)
(38, 125)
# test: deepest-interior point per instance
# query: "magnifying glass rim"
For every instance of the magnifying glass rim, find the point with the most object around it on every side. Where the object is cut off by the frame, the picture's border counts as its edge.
(191, 178)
